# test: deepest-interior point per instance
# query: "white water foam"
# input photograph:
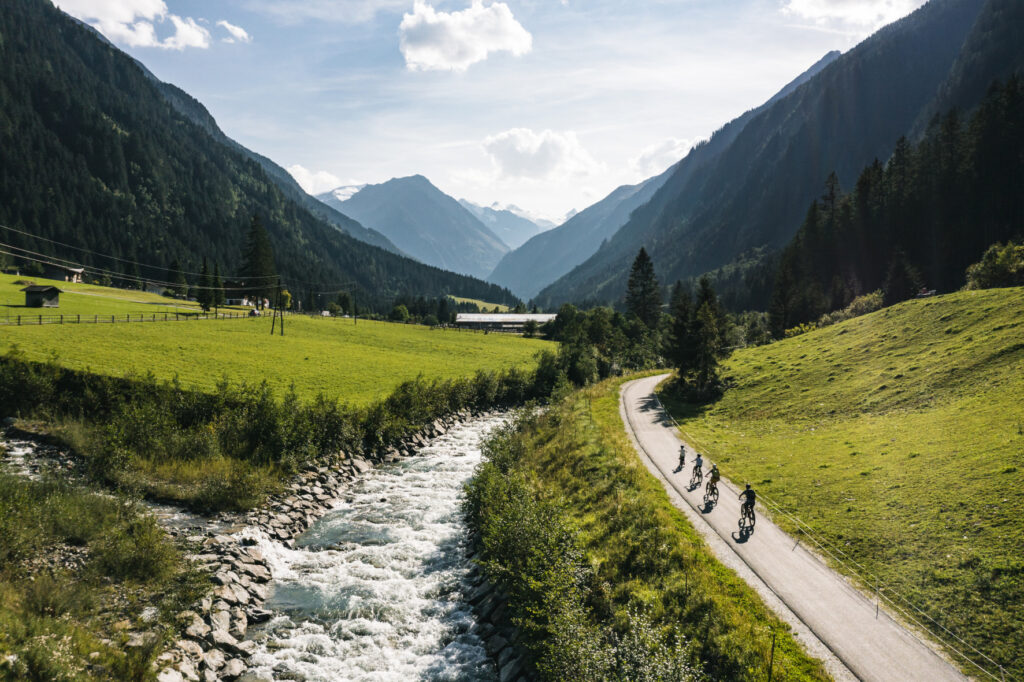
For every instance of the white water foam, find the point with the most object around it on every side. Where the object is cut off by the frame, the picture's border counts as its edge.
(375, 589)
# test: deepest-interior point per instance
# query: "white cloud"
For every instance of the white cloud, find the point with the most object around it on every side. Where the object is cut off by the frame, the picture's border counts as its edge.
(314, 182)
(659, 156)
(133, 22)
(523, 153)
(864, 13)
(452, 41)
(237, 33)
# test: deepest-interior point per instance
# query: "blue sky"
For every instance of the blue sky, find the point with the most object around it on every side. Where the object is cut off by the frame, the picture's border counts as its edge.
(546, 104)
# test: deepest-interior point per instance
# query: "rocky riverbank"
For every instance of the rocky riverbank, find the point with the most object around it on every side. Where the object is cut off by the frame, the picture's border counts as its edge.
(214, 645)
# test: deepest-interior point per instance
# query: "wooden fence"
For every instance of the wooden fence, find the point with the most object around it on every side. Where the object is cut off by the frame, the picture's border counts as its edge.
(26, 320)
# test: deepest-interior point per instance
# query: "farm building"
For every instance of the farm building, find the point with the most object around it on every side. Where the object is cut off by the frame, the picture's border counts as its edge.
(62, 273)
(501, 322)
(42, 296)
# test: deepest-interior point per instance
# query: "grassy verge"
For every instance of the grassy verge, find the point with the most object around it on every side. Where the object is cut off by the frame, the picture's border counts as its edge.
(76, 570)
(569, 482)
(899, 437)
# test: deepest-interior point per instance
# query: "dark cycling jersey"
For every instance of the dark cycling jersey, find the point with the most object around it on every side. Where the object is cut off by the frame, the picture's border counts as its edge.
(715, 475)
(750, 495)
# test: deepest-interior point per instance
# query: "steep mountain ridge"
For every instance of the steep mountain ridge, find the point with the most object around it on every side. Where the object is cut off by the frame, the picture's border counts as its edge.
(547, 257)
(753, 193)
(424, 222)
(95, 156)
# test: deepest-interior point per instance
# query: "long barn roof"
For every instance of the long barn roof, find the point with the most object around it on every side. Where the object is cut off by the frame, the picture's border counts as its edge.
(508, 318)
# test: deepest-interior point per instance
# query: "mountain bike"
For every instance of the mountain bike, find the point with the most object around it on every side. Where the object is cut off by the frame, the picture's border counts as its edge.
(711, 494)
(747, 518)
(695, 480)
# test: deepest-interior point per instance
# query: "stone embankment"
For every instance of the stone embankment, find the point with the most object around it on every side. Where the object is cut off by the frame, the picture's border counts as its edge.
(501, 639)
(214, 644)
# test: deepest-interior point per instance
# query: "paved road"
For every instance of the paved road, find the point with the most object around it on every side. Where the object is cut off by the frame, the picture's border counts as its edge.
(870, 646)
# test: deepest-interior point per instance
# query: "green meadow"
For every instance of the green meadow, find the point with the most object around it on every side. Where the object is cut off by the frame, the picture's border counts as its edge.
(899, 438)
(87, 300)
(356, 362)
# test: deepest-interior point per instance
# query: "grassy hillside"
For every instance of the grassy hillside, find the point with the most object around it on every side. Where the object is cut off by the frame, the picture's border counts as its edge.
(483, 305)
(88, 299)
(357, 363)
(644, 554)
(899, 437)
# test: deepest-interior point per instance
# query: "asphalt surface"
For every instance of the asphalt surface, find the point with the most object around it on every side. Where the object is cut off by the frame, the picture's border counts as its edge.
(867, 642)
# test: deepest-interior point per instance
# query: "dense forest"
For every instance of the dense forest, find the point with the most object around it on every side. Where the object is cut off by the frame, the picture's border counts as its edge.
(94, 157)
(917, 221)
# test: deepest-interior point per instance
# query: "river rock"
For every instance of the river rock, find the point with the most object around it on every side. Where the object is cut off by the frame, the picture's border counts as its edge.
(232, 669)
(213, 659)
(188, 670)
(189, 648)
(222, 639)
(169, 675)
(511, 670)
(197, 629)
(220, 620)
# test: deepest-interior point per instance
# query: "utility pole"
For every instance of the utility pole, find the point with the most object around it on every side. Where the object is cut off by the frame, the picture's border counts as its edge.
(277, 309)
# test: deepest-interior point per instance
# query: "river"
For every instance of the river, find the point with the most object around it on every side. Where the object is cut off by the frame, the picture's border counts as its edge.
(375, 589)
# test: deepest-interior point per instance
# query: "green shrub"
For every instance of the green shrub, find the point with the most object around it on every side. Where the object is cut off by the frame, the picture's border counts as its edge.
(137, 549)
(1002, 265)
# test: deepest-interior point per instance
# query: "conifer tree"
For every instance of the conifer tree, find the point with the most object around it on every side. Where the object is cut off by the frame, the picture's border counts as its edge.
(706, 334)
(258, 269)
(643, 298)
(204, 292)
(680, 349)
(179, 283)
(218, 287)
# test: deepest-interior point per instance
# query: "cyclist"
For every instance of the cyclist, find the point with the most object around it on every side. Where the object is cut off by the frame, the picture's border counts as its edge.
(682, 457)
(713, 477)
(748, 504)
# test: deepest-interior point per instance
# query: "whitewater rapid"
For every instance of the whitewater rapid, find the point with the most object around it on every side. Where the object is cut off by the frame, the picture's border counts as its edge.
(375, 589)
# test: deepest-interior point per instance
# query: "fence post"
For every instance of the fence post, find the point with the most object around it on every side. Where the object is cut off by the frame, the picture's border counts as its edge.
(79, 318)
(40, 319)
(19, 320)
(62, 318)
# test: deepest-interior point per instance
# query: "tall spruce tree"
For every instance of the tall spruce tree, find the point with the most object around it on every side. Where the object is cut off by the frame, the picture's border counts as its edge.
(258, 271)
(681, 346)
(706, 334)
(643, 297)
(218, 287)
(180, 284)
(204, 292)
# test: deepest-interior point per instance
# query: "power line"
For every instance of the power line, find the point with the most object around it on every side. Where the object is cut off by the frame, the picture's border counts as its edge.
(103, 255)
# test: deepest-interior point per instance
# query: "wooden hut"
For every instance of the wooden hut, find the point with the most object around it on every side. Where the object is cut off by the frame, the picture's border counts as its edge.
(42, 296)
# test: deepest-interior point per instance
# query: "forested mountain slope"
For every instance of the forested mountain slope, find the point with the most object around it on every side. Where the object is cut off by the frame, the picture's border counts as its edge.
(552, 254)
(92, 154)
(754, 192)
(918, 221)
(426, 223)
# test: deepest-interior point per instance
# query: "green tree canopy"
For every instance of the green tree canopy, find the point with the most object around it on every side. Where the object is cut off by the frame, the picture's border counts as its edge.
(258, 269)
(643, 298)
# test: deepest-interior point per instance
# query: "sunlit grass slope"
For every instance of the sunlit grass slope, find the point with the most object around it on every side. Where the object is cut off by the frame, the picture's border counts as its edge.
(899, 436)
(483, 305)
(87, 300)
(356, 363)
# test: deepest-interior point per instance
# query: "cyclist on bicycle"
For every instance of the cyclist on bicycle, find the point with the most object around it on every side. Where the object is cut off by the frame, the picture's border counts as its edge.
(713, 477)
(698, 463)
(748, 504)
(682, 457)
